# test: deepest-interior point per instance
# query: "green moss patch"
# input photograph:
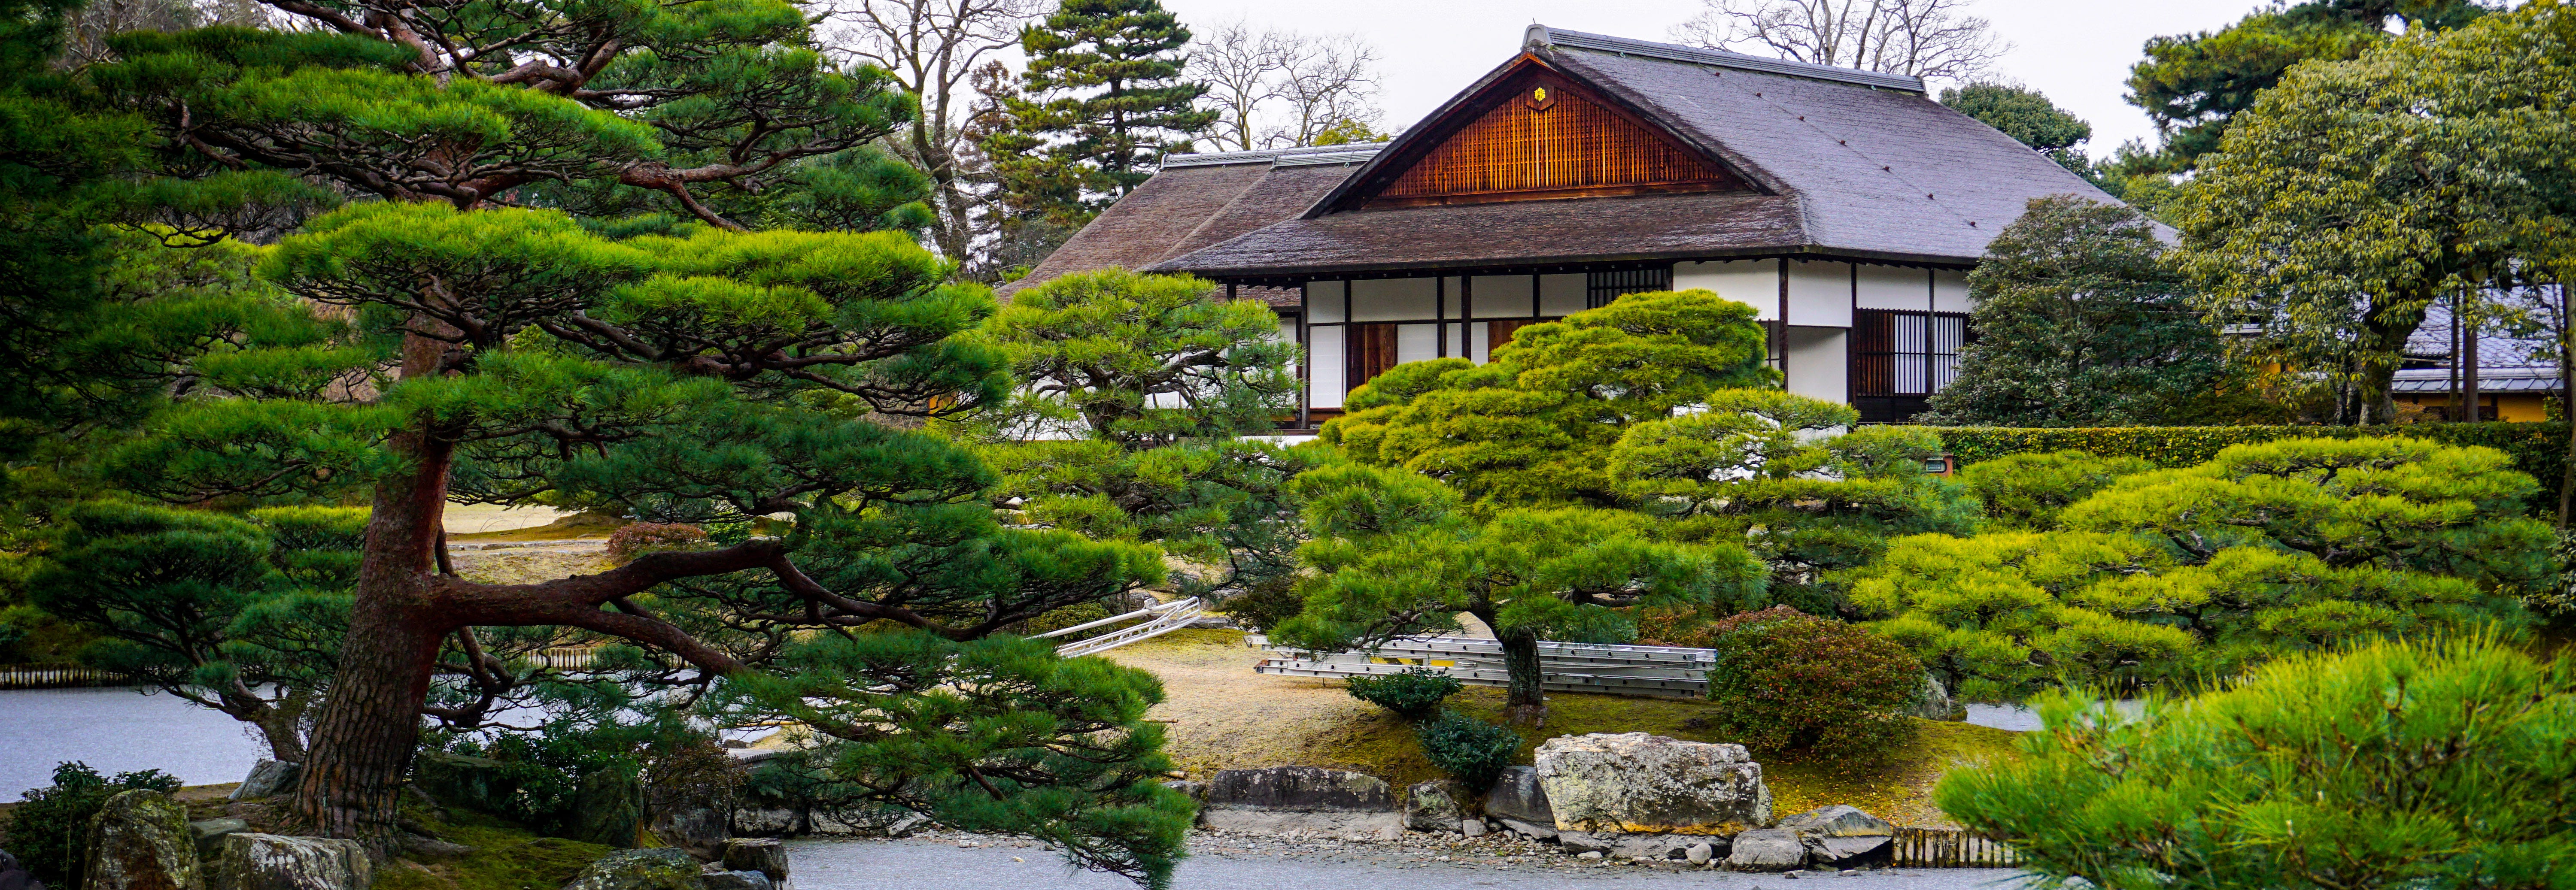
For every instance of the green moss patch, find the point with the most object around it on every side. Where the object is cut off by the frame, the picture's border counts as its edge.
(506, 857)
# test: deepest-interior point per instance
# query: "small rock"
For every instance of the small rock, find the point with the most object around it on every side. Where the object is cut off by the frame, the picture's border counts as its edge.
(1793, 875)
(275, 862)
(1471, 827)
(1517, 795)
(430, 849)
(1539, 832)
(738, 880)
(1699, 854)
(767, 856)
(267, 778)
(1431, 806)
(210, 832)
(1766, 849)
(1591, 854)
(1848, 872)
(1839, 820)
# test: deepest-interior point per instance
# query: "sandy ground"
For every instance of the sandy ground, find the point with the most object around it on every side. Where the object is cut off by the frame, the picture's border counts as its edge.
(471, 519)
(1220, 714)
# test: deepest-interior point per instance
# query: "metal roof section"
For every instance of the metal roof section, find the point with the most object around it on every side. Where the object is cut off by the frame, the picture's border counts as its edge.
(1280, 157)
(2490, 380)
(1542, 35)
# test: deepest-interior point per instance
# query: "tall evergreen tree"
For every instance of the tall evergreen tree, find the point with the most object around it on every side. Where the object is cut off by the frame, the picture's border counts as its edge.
(2078, 324)
(2028, 117)
(1104, 98)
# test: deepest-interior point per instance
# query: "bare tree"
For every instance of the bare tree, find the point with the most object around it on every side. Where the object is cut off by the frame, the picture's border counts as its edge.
(1242, 71)
(933, 47)
(1324, 81)
(1932, 39)
(85, 38)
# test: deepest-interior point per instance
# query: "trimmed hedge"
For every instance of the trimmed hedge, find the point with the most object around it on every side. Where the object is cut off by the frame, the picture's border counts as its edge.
(2537, 448)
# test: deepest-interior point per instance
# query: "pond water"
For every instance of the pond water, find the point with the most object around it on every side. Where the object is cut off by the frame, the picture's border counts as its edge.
(117, 730)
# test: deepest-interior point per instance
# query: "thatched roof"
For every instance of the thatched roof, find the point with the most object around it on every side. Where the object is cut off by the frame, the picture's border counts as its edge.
(1848, 162)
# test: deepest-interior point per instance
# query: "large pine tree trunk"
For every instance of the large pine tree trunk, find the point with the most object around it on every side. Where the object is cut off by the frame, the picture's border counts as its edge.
(368, 726)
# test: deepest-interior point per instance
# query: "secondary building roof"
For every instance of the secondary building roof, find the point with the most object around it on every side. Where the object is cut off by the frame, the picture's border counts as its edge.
(1199, 200)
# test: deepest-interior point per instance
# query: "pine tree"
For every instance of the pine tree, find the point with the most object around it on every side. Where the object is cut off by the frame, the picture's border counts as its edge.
(1102, 101)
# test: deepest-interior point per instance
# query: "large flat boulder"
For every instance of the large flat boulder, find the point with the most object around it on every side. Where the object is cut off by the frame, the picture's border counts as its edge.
(1301, 800)
(1517, 796)
(1839, 820)
(268, 778)
(251, 861)
(659, 868)
(1635, 783)
(140, 840)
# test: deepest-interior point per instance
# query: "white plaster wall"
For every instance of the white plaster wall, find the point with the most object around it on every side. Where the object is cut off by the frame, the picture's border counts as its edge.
(1416, 342)
(1819, 361)
(1892, 287)
(1326, 384)
(1950, 291)
(1755, 283)
(1391, 299)
(1561, 294)
(1324, 299)
(1502, 296)
(1482, 342)
(1820, 294)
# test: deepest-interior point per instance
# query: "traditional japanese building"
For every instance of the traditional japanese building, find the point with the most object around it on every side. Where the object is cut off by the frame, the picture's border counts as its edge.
(1847, 206)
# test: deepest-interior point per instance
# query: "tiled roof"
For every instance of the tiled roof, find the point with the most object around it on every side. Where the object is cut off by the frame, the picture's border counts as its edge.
(1865, 170)
(1196, 201)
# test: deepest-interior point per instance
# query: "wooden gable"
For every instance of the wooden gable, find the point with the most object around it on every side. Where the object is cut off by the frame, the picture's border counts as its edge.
(1539, 137)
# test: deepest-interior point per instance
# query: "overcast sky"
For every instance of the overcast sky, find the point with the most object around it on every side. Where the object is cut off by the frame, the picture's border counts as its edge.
(2076, 51)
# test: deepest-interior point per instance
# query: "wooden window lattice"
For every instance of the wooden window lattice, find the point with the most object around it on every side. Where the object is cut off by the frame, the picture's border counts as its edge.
(1890, 355)
(1599, 288)
(1571, 143)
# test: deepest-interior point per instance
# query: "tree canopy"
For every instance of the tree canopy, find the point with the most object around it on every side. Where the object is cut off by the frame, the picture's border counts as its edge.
(1103, 99)
(2028, 117)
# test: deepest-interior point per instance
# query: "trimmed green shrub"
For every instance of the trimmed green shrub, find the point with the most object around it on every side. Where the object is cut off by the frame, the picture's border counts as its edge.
(2029, 490)
(1412, 693)
(2171, 575)
(2539, 449)
(2401, 764)
(1786, 680)
(49, 832)
(1471, 751)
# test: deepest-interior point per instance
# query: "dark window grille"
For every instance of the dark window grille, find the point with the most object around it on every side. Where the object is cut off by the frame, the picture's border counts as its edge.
(1905, 353)
(1599, 288)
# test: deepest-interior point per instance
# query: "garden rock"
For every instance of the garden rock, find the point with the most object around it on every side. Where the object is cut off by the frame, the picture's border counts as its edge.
(267, 778)
(249, 861)
(211, 832)
(1538, 832)
(768, 822)
(1583, 842)
(767, 856)
(1839, 820)
(480, 784)
(1850, 852)
(422, 848)
(660, 868)
(1635, 783)
(738, 880)
(1517, 795)
(1652, 846)
(1311, 800)
(1767, 849)
(701, 830)
(1432, 807)
(1196, 790)
(1935, 703)
(140, 841)
(1700, 853)
(1471, 827)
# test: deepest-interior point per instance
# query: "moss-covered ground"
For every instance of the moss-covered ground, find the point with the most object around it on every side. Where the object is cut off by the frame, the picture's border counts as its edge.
(506, 857)
(1222, 715)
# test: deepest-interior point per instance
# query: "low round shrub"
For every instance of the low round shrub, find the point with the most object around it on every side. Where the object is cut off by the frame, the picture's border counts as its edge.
(1413, 693)
(638, 538)
(49, 832)
(1792, 681)
(1471, 751)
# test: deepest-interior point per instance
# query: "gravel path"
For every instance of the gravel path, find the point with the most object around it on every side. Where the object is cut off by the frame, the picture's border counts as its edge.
(1234, 862)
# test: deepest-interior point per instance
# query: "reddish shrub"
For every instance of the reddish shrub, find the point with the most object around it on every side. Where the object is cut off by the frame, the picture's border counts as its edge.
(1792, 681)
(638, 538)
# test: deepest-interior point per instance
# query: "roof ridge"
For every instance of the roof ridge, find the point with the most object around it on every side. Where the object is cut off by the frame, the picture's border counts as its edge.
(1264, 155)
(1542, 35)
